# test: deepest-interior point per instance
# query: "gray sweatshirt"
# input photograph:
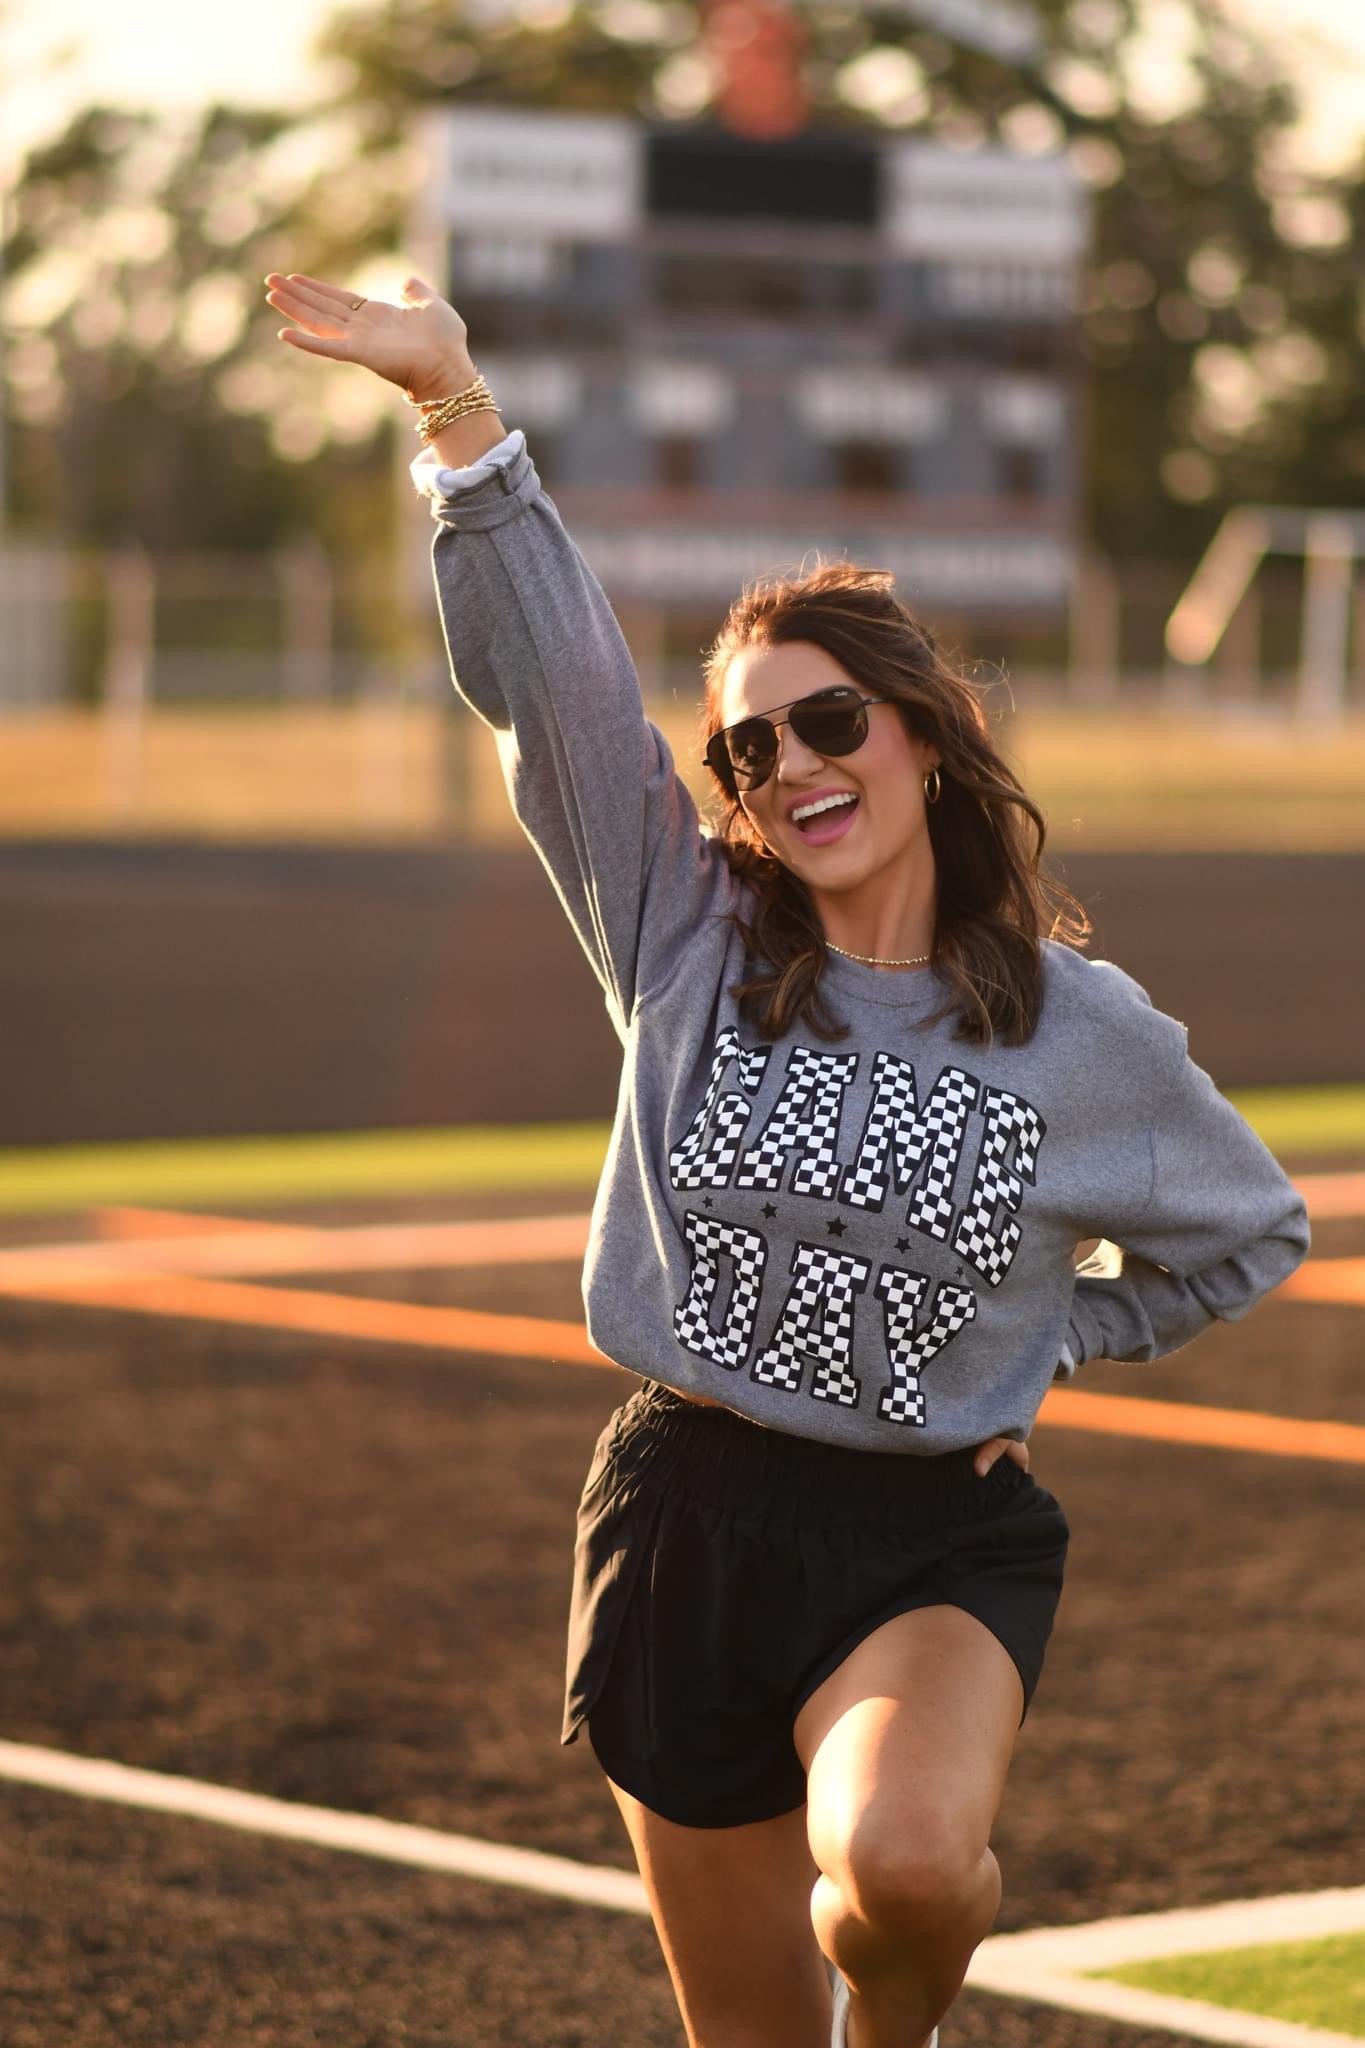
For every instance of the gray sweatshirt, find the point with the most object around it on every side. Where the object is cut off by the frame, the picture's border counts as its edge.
(871, 1243)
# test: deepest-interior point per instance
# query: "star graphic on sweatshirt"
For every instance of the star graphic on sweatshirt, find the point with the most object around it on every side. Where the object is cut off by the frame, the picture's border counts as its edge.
(707, 1203)
(902, 1244)
(836, 1226)
(769, 1211)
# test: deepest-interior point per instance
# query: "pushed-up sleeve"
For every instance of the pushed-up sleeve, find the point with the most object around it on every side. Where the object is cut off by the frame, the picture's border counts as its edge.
(1221, 1225)
(536, 652)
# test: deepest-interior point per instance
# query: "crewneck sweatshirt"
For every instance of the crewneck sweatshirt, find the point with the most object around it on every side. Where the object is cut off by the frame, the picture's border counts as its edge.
(870, 1243)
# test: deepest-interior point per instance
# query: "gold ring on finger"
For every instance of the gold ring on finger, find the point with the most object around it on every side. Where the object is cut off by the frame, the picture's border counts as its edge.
(356, 305)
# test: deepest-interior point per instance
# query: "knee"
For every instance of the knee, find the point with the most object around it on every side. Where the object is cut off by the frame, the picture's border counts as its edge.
(922, 1877)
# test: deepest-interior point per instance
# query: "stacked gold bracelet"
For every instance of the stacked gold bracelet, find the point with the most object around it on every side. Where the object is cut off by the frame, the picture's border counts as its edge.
(439, 413)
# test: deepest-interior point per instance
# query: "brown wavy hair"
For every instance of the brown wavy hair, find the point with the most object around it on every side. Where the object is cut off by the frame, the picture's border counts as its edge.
(987, 834)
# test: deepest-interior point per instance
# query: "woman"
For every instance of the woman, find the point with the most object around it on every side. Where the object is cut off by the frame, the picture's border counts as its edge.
(869, 1104)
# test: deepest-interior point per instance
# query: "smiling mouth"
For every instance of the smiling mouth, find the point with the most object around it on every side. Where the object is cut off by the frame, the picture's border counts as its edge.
(828, 825)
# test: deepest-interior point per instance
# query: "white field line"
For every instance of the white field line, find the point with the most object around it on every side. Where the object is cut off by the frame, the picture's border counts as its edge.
(1038, 1965)
(394, 1841)
(1143, 1937)
(294, 1248)
(1046, 1964)
(1192, 2017)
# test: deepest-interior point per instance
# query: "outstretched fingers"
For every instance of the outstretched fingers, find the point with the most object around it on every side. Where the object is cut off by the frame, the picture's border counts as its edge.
(311, 312)
(315, 345)
(312, 289)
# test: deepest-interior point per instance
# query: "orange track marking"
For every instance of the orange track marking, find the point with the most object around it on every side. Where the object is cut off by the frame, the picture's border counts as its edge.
(122, 1224)
(1332, 1194)
(1339, 1280)
(1225, 1429)
(300, 1248)
(140, 1239)
(473, 1330)
(329, 1315)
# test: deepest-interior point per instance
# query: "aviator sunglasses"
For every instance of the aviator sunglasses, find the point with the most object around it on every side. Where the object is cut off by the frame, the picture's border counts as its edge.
(832, 722)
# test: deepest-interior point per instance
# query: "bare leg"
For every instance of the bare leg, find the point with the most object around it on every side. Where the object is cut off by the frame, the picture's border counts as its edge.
(731, 1907)
(906, 1747)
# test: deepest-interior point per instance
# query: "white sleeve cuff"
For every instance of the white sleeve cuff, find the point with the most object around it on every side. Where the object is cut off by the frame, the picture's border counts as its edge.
(435, 480)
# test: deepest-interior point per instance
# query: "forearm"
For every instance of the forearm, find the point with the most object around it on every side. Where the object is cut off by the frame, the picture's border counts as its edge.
(466, 440)
(463, 441)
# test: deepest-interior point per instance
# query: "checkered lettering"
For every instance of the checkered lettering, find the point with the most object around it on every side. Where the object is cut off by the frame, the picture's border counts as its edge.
(982, 1236)
(711, 1240)
(705, 1157)
(804, 1124)
(945, 1122)
(909, 1350)
(901, 1141)
(891, 1110)
(815, 1327)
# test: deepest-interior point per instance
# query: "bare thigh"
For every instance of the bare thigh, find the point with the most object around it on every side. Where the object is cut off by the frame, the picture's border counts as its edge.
(732, 1910)
(906, 1748)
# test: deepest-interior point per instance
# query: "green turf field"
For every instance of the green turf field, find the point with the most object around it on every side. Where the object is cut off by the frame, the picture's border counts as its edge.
(469, 1159)
(1314, 1983)
(312, 1167)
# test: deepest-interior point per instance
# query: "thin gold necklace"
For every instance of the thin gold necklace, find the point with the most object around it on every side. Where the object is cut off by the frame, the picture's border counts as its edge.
(870, 959)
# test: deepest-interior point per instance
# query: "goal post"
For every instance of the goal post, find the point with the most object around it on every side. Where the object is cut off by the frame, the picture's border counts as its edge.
(1330, 541)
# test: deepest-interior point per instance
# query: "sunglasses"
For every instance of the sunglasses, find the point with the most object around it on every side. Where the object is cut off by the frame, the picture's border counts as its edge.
(832, 722)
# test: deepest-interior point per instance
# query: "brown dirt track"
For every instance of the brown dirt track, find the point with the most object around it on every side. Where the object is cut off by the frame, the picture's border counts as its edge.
(339, 1573)
(181, 990)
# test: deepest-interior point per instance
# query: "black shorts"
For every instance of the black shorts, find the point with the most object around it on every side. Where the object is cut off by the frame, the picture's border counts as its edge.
(723, 1570)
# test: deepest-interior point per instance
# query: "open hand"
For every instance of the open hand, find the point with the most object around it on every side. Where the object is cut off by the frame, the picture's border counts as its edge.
(996, 1447)
(421, 345)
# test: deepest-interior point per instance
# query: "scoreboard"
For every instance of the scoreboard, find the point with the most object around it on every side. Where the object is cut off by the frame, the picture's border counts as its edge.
(728, 352)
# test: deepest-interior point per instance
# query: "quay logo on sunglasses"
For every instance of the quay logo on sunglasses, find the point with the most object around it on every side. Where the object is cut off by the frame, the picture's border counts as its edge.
(832, 722)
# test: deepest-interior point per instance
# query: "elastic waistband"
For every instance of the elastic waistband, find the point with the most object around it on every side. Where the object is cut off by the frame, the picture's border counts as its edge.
(731, 1462)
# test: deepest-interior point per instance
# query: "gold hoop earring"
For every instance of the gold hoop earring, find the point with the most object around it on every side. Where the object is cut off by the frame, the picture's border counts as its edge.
(938, 785)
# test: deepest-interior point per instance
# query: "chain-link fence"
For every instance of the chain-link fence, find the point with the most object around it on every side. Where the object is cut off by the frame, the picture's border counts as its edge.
(267, 694)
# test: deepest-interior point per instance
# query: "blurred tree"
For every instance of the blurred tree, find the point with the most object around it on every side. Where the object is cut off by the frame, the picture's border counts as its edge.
(1223, 299)
(147, 392)
(1221, 311)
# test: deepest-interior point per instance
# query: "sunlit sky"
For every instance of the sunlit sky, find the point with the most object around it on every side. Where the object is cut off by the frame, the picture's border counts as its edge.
(58, 55)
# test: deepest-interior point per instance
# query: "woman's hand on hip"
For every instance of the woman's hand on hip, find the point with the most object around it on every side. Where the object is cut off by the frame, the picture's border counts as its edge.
(422, 345)
(997, 1447)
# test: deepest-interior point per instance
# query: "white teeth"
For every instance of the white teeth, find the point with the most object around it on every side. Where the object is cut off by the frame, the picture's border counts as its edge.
(826, 803)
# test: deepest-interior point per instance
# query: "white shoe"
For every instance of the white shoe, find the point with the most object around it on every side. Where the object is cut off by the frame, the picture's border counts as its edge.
(839, 2037)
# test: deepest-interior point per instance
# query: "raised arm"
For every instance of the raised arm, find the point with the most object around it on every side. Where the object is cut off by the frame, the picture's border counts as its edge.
(535, 650)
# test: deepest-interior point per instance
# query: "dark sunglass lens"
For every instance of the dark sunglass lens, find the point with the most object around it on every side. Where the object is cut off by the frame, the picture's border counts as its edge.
(832, 722)
(753, 749)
